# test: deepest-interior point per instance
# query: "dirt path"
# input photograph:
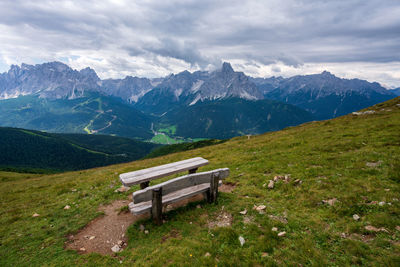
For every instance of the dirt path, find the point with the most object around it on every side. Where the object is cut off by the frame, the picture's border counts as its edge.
(101, 234)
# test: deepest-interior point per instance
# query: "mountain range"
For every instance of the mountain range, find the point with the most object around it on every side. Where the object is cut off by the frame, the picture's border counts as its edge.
(218, 104)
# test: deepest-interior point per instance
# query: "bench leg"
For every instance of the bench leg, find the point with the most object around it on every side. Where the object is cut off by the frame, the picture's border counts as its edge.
(214, 188)
(207, 196)
(193, 170)
(156, 206)
(144, 185)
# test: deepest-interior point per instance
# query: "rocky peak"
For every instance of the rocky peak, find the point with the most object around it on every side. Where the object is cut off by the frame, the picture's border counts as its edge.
(227, 68)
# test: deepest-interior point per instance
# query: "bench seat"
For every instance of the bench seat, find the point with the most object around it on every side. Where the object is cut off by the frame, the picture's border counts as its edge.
(176, 189)
(145, 175)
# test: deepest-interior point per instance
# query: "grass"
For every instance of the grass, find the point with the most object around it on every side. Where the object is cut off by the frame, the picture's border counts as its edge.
(164, 139)
(330, 157)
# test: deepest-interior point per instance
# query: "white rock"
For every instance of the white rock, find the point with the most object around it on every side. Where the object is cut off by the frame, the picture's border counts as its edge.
(115, 249)
(141, 227)
(382, 203)
(122, 189)
(92, 237)
(241, 240)
(274, 229)
(35, 215)
(146, 232)
(120, 243)
(356, 217)
(207, 254)
(243, 212)
(82, 249)
(261, 207)
(281, 234)
(67, 207)
(271, 184)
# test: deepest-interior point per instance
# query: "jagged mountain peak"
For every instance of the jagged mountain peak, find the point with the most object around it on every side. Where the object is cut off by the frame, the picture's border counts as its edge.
(227, 67)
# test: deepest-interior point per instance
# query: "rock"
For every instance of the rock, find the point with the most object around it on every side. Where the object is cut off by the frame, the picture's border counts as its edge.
(382, 203)
(141, 227)
(298, 182)
(281, 234)
(287, 178)
(241, 240)
(264, 185)
(35, 215)
(387, 189)
(276, 178)
(73, 190)
(122, 189)
(364, 113)
(330, 202)
(82, 249)
(271, 184)
(92, 237)
(243, 212)
(398, 228)
(264, 254)
(374, 229)
(274, 229)
(115, 249)
(120, 243)
(198, 206)
(373, 164)
(207, 254)
(67, 207)
(260, 208)
(146, 232)
(356, 217)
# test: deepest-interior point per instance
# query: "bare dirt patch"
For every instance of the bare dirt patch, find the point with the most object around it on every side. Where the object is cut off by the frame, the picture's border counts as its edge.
(224, 219)
(227, 187)
(101, 234)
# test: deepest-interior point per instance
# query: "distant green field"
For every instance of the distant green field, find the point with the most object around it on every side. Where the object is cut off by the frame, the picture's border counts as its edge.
(164, 139)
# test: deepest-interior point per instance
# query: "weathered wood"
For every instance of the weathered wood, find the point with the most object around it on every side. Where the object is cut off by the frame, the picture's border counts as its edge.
(144, 185)
(214, 187)
(140, 176)
(193, 171)
(179, 183)
(156, 211)
(146, 206)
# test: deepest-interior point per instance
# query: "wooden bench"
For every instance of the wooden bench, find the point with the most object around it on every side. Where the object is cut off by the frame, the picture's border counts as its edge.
(154, 197)
(143, 177)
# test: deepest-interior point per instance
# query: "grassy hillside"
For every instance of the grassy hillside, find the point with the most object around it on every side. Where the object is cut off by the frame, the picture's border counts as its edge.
(355, 159)
(33, 150)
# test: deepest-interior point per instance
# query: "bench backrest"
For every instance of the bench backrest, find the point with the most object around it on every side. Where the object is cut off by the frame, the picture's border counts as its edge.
(179, 183)
(140, 176)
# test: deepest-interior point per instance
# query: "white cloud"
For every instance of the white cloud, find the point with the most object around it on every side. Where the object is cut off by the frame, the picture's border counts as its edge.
(353, 38)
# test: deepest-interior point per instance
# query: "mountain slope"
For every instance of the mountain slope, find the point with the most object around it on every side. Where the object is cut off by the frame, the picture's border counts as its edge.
(327, 96)
(353, 161)
(92, 113)
(396, 91)
(231, 117)
(27, 149)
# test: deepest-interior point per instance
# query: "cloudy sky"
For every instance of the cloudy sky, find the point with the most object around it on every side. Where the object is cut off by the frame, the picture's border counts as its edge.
(350, 38)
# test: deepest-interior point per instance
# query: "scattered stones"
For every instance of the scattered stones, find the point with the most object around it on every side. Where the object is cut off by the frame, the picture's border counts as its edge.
(67, 207)
(271, 184)
(146, 232)
(243, 212)
(330, 202)
(241, 240)
(247, 219)
(82, 249)
(224, 219)
(120, 243)
(281, 234)
(122, 189)
(141, 227)
(35, 215)
(287, 178)
(115, 249)
(374, 229)
(207, 254)
(356, 217)
(364, 113)
(274, 229)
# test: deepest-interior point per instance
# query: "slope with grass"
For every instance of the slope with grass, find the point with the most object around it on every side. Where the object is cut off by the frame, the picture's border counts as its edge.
(355, 159)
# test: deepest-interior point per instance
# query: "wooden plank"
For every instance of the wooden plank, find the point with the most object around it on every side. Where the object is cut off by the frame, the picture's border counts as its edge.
(136, 177)
(156, 206)
(179, 183)
(176, 196)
